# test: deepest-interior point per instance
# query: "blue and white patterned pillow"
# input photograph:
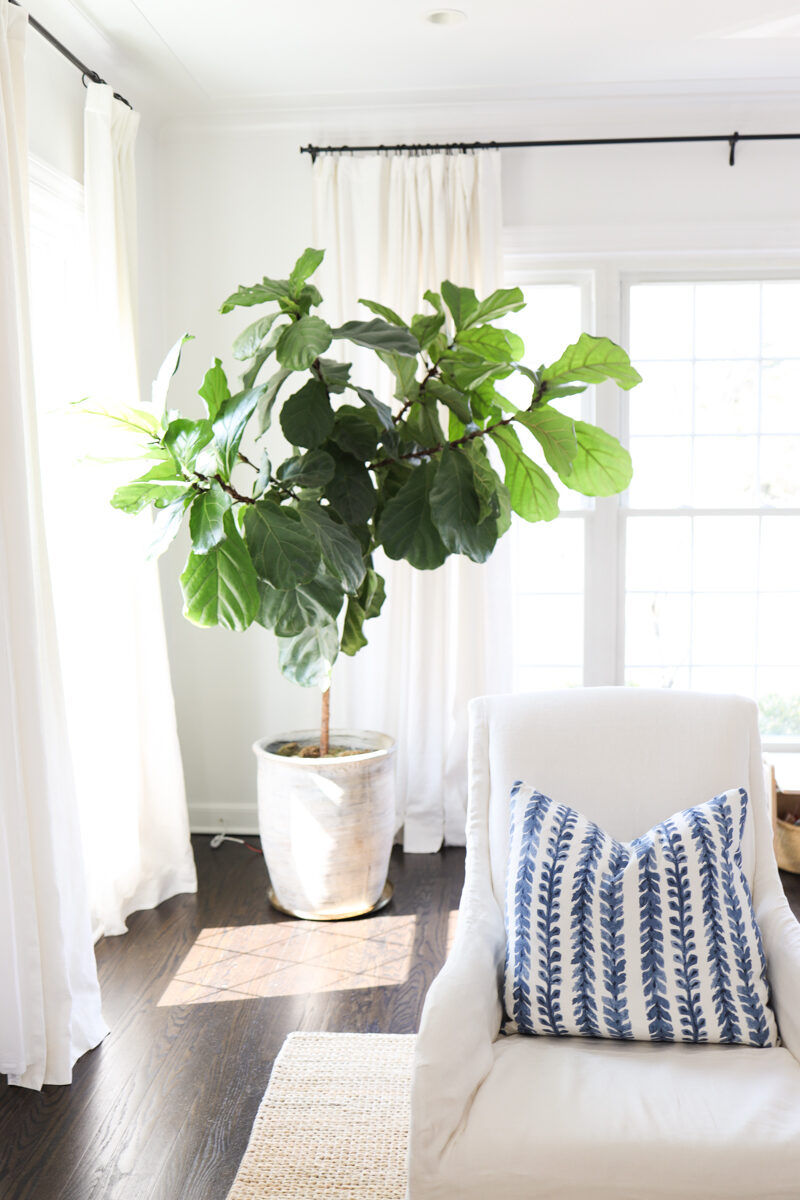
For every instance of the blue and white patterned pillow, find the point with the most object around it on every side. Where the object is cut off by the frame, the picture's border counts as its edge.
(653, 939)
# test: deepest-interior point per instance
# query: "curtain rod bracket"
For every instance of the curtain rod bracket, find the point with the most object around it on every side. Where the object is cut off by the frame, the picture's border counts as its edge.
(732, 140)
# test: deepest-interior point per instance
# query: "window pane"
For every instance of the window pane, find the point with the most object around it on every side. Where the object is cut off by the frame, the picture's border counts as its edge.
(779, 470)
(658, 554)
(780, 554)
(724, 474)
(657, 629)
(662, 402)
(662, 472)
(780, 318)
(725, 554)
(551, 629)
(723, 629)
(727, 320)
(780, 395)
(662, 321)
(726, 397)
(779, 701)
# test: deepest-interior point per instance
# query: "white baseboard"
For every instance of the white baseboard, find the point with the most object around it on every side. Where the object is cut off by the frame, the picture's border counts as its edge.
(234, 818)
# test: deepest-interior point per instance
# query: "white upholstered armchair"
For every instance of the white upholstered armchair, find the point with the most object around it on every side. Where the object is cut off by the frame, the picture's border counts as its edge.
(568, 1118)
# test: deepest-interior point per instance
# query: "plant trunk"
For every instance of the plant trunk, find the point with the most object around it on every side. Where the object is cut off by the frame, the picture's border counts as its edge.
(324, 737)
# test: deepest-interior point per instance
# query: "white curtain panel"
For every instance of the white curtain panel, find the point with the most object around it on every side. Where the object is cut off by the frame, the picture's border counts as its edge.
(122, 725)
(392, 227)
(49, 996)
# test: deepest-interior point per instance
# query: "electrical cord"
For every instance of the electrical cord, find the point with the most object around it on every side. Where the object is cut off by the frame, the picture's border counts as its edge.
(219, 838)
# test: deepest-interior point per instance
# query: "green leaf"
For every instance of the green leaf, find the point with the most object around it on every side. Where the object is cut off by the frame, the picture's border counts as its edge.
(283, 551)
(305, 266)
(264, 475)
(335, 374)
(485, 401)
(354, 433)
(310, 470)
(381, 310)
(340, 549)
(249, 340)
(425, 328)
(308, 659)
(351, 491)
(532, 493)
(230, 425)
(166, 523)
(423, 425)
(602, 467)
(165, 372)
(368, 604)
(269, 394)
(289, 612)
(379, 335)
(353, 638)
(462, 302)
(468, 372)
(263, 353)
(302, 342)
(453, 399)
(372, 401)
(185, 439)
(555, 433)
(492, 493)
(434, 299)
(456, 509)
(307, 417)
(215, 389)
(207, 517)
(372, 594)
(260, 293)
(406, 528)
(161, 486)
(591, 360)
(220, 587)
(404, 370)
(503, 301)
(492, 345)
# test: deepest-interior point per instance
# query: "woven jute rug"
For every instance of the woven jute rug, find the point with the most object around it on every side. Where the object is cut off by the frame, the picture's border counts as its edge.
(333, 1123)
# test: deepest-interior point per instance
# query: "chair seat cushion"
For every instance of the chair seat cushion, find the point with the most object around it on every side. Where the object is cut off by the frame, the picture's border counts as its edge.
(568, 1119)
(654, 939)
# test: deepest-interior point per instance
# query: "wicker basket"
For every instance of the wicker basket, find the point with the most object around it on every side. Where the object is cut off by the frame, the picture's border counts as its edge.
(787, 834)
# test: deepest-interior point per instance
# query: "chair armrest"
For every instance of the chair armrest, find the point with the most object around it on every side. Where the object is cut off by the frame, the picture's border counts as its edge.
(780, 933)
(460, 1021)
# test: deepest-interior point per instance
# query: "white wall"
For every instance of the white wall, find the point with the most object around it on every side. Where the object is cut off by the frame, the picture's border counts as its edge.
(237, 205)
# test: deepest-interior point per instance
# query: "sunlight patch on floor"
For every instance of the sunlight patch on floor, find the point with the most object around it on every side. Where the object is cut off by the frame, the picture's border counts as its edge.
(292, 958)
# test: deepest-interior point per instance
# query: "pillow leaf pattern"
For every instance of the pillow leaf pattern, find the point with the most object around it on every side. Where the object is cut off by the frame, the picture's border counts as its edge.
(653, 940)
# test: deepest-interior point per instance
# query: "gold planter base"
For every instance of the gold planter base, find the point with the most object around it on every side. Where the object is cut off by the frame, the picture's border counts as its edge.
(381, 902)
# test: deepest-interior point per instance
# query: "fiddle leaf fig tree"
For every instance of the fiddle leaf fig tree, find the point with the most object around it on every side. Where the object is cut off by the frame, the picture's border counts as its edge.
(435, 467)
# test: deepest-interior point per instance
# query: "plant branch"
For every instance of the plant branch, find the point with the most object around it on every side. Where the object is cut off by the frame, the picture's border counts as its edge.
(433, 370)
(226, 487)
(431, 450)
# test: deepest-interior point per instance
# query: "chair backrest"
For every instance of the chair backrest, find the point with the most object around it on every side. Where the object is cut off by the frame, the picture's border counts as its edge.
(625, 757)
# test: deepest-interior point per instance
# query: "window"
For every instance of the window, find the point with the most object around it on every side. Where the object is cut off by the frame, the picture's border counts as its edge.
(692, 578)
(548, 559)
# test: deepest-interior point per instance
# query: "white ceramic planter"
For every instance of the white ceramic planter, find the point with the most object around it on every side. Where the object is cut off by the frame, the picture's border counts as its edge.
(327, 825)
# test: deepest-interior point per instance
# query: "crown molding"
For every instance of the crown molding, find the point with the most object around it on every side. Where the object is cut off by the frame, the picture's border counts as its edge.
(495, 115)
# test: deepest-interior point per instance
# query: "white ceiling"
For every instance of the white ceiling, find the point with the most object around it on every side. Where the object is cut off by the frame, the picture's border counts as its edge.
(257, 55)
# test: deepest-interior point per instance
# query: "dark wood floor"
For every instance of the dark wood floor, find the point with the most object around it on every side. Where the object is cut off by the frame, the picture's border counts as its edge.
(162, 1110)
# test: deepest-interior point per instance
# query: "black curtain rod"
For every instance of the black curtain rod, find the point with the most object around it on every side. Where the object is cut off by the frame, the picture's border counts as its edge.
(465, 147)
(85, 71)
